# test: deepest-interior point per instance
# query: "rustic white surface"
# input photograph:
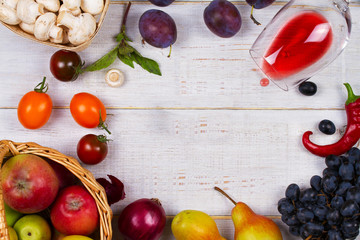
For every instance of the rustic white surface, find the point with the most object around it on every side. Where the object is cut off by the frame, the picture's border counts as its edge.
(205, 122)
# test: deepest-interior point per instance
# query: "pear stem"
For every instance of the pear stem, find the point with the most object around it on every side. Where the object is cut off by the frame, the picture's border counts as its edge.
(225, 194)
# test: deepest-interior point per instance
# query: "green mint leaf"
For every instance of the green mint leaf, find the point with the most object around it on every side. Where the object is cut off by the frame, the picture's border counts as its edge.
(126, 59)
(120, 37)
(103, 62)
(125, 50)
(146, 63)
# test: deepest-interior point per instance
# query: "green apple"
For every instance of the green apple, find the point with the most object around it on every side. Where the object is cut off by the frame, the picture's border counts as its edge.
(12, 234)
(76, 237)
(32, 227)
(11, 215)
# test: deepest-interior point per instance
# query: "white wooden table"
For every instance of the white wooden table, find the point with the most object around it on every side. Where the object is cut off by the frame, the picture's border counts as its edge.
(206, 122)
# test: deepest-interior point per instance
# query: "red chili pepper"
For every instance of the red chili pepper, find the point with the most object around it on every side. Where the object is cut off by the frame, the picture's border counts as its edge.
(352, 133)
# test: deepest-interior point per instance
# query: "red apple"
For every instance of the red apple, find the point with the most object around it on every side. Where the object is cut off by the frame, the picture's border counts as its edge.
(29, 183)
(75, 212)
(66, 178)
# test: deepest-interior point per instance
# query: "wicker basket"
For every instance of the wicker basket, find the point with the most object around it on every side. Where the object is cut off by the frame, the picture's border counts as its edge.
(16, 29)
(9, 148)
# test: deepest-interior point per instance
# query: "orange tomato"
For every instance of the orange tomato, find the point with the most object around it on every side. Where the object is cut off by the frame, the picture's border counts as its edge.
(85, 109)
(35, 108)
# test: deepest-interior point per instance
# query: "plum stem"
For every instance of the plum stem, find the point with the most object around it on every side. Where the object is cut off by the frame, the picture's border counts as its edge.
(170, 51)
(225, 194)
(125, 17)
(252, 16)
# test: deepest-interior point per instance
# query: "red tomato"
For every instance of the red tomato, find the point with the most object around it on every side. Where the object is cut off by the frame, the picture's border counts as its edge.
(92, 149)
(85, 109)
(35, 107)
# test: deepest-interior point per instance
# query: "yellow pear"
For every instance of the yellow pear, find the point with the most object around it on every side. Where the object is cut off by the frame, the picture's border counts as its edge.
(249, 225)
(76, 237)
(195, 225)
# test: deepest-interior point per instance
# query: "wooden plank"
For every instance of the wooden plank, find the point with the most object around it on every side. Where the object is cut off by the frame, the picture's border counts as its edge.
(204, 71)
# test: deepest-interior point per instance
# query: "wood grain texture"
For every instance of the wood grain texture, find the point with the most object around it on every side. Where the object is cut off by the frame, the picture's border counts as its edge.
(205, 122)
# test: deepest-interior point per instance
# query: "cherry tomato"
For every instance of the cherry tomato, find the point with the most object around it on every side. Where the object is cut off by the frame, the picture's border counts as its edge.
(92, 149)
(35, 107)
(85, 109)
(64, 65)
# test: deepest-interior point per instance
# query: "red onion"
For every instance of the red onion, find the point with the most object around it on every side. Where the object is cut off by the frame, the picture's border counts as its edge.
(143, 219)
(114, 190)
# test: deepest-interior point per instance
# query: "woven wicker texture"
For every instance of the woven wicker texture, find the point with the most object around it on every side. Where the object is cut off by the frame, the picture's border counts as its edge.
(9, 148)
(16, 29)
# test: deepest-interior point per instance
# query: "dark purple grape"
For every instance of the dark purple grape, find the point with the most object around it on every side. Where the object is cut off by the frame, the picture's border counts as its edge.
(337, 202)
(294, 230)
(222, 18)
(258, 4)
(329, 183)
(333, 216)
(315, 182)
(162, 3)
(285, 206)
(334, 234)
(320, 212)
(349, 208)
(327, 127)
(290, 220)
(309, 195)
(315, 229)
(354, 155)
(292, 192)
(333, 162)
(350, 227)
(353, 193)
(343, 187)
(347, 171)
(308, 88)
(304, 215)
(157, 28)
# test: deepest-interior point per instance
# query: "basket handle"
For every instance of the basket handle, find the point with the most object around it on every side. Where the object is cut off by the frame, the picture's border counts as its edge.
(4, 233)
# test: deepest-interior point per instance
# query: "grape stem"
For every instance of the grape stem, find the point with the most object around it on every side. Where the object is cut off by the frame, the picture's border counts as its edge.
(252, 16)
(225, 194)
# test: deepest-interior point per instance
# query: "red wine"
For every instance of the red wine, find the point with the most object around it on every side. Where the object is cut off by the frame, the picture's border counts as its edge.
(303, 40)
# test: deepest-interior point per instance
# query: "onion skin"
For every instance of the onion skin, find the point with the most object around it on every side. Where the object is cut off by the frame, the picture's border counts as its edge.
(143, 219)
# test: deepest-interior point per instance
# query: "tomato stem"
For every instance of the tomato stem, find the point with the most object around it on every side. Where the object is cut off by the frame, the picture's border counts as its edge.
(102, 124)
(42, 87)
(103, 138)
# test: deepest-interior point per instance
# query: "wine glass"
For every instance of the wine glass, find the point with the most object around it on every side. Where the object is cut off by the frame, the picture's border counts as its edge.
(303, 37)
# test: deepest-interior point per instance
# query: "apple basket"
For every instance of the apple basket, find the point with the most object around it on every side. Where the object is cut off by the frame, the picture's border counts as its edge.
(68, 46)
(9, 149)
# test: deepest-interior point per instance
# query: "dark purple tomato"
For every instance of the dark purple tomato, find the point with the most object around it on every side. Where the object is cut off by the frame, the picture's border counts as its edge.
(92, 149)
(258, 4)
(64, 65)
(157, 28)
(162, 3)
(222, 18)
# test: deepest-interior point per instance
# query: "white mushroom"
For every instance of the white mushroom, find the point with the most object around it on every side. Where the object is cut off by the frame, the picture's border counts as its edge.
(51, 5)
(81, 28)
(46, 29)
(29, 28)
(10, 3)
(28, 10)
(72, 4)
(8, 15)
(75, 11)
(114, 78)
(93, 7)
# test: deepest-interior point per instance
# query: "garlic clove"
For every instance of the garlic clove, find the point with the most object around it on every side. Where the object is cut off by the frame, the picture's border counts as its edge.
(114, 78)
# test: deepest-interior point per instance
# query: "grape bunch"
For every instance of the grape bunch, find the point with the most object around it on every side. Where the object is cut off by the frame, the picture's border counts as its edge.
(329, 209)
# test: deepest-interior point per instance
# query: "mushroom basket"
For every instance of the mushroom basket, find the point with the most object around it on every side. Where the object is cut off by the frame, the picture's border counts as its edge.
(67, 24)
(9, 149)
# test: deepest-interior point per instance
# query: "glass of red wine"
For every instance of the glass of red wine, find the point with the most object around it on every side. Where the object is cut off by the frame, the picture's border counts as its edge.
(304, 37)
